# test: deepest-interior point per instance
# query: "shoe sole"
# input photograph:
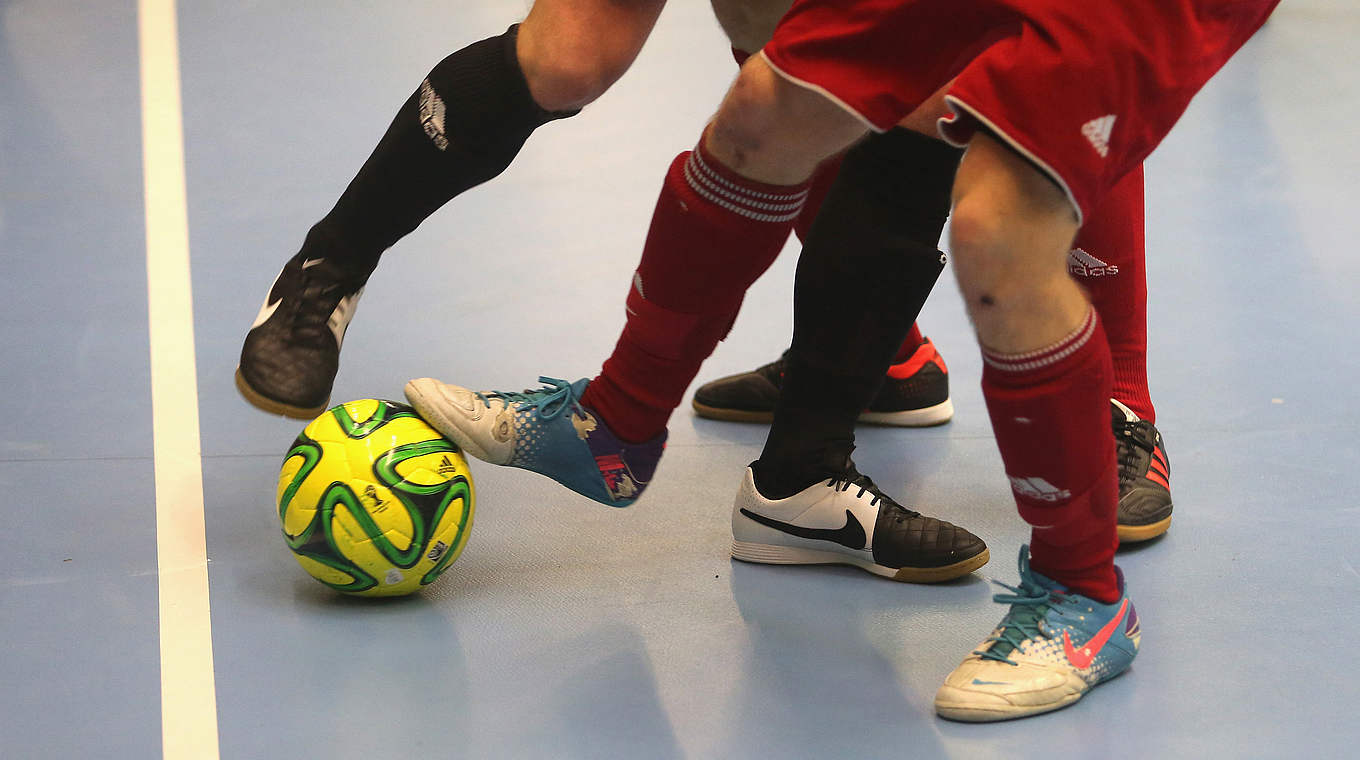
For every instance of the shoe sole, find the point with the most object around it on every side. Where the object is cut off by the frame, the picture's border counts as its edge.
(965, 712)
(768, 554)
(1132, 534)
(926, 417)
(264, 403)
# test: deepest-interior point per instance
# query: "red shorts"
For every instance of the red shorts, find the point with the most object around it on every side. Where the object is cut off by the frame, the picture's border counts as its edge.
(1083, 90)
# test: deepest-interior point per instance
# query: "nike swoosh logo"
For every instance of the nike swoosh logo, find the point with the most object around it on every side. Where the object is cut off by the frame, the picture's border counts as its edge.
(266, 311)
(979, 682)
(1082, 658)
(309, 263)
(851, 536)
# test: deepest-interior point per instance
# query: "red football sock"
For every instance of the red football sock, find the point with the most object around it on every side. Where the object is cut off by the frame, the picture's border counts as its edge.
(713, 233)
(1050, 411)
(909, 345)
(1108, 259)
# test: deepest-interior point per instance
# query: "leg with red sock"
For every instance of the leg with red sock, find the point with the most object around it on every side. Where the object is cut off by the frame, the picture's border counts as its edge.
(724, 212)
(1047, 409)
(1108, 260)
(1047, 380)
(915, 389)
(713, 233)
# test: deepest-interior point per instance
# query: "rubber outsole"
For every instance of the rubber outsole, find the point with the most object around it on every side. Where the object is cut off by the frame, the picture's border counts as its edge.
(964, 712)
(769, 554)
(927, 417)
(1132, 534)
(263, 403)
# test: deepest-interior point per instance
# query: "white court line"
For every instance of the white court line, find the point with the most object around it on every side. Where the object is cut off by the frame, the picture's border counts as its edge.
(188, 692)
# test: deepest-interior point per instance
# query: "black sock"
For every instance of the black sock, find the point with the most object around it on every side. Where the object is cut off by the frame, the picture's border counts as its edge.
(464, 125)
(866, 269)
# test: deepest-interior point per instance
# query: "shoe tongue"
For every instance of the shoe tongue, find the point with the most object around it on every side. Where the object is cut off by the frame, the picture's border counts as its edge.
(1039, 579)
(1031, 577)
(837, 459)
(773, 372)
(1121, 413)
(578, 388)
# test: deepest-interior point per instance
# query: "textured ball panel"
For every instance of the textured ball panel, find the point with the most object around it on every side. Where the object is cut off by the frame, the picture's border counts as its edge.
(373, 501)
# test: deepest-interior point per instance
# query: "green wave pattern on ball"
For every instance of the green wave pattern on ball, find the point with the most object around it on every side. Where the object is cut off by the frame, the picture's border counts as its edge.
(426, 505)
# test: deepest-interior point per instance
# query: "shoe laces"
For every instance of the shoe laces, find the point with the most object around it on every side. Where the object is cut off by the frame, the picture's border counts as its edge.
(321, 292)
(1030, 603)
(774, 371)
(1129, 437)
(555, 397)
(852, 479)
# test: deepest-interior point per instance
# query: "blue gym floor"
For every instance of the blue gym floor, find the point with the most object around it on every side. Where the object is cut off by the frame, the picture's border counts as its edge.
(572, 630)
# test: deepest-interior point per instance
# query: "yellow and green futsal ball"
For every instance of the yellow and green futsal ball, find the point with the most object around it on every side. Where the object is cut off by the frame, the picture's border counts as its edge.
(373, 501)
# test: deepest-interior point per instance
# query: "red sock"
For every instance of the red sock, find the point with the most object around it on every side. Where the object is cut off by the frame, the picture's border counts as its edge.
(909, 345)
(1050, 411)
(1108, 259)
(713, 233)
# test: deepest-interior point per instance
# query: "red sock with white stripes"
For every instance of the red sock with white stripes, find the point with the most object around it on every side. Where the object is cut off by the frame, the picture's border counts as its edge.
(713, 233)
(1108, 258)
(1050, 411)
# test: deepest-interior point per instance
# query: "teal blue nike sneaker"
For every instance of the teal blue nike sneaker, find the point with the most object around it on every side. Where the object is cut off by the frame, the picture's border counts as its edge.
(546, 431)
(1051, 648)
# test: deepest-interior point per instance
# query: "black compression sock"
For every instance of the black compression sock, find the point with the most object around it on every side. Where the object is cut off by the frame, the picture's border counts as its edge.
(868, 265)
(464, 125)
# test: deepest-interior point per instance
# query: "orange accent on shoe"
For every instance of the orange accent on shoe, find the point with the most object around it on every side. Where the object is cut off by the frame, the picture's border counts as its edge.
(924, 354)
(1083, 657)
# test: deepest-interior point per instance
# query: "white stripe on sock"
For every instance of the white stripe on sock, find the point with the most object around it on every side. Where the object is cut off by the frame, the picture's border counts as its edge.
(710, 196)
(1047, 356)
(708, 171)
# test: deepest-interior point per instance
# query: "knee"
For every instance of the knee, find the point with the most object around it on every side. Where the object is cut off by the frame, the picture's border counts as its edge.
(977, 242)
(744, 131)
(569, 71)
(570, 82)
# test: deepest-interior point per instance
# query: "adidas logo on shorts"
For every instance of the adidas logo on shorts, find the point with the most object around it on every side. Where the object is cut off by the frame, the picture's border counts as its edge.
(1098, 132)
(1082, 264)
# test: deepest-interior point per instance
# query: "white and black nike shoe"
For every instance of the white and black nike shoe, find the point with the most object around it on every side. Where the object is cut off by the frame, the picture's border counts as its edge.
(847, 520)
(291, 354)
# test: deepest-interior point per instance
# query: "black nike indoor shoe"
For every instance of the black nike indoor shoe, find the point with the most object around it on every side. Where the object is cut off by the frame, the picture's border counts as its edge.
(915, 393)
(291, 354)
(847, 520)
(1144, 476)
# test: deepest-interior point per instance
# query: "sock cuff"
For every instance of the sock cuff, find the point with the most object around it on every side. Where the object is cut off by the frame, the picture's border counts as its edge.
(1047, 356)
(721, 186)
(479, 94)
(510, 49)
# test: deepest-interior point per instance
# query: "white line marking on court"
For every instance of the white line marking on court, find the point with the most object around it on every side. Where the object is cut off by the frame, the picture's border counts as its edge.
(188, 691)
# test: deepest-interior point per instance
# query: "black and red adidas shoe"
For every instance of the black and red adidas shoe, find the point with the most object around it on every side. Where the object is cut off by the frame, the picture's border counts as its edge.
(915, 393)
(1144, 476)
